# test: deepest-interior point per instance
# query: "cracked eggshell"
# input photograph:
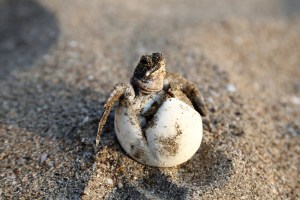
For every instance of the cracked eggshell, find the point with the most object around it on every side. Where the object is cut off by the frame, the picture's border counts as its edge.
(172, 136)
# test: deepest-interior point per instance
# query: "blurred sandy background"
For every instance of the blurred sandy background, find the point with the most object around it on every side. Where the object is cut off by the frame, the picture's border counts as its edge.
(60, 59)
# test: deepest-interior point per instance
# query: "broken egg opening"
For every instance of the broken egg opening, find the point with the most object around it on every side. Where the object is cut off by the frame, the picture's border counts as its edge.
(170, 137)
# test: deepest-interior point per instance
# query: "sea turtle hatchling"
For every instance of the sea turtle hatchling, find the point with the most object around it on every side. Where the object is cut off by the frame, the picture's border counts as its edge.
(158, 120)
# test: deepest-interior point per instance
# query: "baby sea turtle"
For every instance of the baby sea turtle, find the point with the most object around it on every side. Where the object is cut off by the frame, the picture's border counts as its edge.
(158, 120)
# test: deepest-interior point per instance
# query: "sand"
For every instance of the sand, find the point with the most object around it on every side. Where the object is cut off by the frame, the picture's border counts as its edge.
(60, 59)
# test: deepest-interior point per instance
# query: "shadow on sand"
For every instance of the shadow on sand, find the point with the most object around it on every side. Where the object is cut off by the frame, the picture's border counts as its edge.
(27, 31)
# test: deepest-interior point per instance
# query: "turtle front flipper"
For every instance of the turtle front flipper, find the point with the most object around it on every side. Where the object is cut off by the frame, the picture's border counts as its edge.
(122, 91)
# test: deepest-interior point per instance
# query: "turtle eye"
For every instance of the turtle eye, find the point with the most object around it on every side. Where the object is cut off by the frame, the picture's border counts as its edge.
(147, 73)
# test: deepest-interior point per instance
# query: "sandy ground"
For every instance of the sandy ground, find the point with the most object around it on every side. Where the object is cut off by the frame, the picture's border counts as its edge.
(60, 59)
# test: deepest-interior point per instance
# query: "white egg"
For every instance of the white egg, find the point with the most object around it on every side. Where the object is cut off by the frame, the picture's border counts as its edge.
(170, 138)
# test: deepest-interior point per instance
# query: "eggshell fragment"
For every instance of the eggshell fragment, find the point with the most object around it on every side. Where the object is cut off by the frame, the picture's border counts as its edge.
(170, 138)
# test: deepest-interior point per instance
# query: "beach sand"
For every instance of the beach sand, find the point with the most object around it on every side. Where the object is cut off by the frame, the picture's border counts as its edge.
(60, 59)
